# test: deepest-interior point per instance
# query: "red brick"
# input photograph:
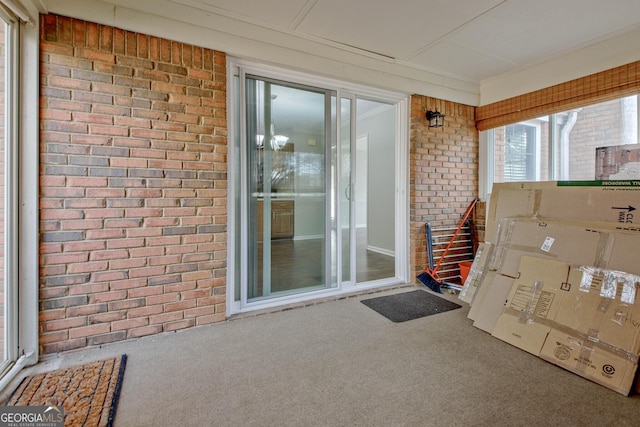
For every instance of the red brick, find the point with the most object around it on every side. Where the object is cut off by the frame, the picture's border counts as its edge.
(144, 311)
(108, 317)
(65, 258)
(82, 224)
(124, 325)
(108, 276)
(92, 118)
(83, 246)
(128, 284)
(95, 55)
(53, 337)
(88, 331)
(200, 311)
(162, 299)
(126, 198)
(87, 267)
(127, 263)
(146, 271)
(144, 331)
(126, 243)
(144, 291)
(182, 324)
(86, 182)
(214, 318)
(126, 304)
(57, 325)
(107, 255)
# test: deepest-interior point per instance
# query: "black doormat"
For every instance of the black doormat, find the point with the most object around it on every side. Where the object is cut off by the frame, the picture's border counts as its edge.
(409, 305)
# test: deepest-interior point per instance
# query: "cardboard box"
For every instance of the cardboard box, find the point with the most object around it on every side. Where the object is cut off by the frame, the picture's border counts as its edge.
(618, 162)
(496, 297)
(545, 239)
(476, 273)
(479, 298)
(532, 304)
(582, 318)
(599, 201)
(578, 355)
(605, 245)
(603, 306)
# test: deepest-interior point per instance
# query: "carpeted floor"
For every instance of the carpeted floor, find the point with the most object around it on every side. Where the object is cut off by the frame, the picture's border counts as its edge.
(88, 393)
(339, 363)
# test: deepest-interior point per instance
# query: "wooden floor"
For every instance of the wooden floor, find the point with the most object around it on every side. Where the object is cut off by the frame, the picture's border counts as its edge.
(299, 264)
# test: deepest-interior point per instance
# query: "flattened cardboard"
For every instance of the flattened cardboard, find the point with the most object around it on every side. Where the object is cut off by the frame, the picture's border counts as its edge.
(581, 357)
(584, 319)
(606, 245)
(481, 294)
(476, 273)
(497, 294)
(603, 305)
(599, 201)
(534, 300)
(545, 239)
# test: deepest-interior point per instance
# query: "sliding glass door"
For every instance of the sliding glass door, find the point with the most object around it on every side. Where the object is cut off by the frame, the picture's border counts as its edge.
(287, 181)
(315, 191)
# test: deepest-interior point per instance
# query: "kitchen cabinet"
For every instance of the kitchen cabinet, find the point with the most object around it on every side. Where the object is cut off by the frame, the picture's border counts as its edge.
(282, 219)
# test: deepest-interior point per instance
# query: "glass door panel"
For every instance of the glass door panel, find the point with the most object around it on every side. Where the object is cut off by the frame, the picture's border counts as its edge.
(287, 188)
(345, 187)
(373, 192)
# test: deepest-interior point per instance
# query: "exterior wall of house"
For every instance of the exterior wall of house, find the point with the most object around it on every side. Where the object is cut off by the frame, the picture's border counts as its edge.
(133, 185)
(443, 171)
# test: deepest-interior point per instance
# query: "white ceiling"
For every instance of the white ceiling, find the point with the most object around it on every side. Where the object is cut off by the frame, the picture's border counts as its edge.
(471, 40)
(468, 51)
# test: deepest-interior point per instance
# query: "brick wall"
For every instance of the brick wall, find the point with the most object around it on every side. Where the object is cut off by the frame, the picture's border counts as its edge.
(134, 175)
(133, 185)
(444, 170)
(597, 125)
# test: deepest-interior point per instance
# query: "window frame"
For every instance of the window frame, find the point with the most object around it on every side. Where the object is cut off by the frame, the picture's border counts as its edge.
(22, 194)
(487, 152)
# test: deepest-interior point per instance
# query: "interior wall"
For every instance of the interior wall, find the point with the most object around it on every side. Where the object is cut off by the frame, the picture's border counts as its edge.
(599, 57)
(380, 129)
(309, 220)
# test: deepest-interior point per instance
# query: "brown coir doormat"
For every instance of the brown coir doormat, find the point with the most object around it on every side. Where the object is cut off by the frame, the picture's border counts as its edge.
(88, 393)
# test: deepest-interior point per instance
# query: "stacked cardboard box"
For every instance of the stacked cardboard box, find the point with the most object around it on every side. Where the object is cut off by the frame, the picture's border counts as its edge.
(559, 276)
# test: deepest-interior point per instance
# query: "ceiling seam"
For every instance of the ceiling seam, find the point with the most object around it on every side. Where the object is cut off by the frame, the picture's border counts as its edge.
(458, 28)
(302, 14)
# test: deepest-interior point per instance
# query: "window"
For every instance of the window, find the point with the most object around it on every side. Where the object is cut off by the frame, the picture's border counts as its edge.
(571, 145)
(19, 105)
(520, 152)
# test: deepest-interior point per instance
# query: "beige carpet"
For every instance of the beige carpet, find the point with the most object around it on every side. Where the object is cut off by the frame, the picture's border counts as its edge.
(88, 393)
(339, 363)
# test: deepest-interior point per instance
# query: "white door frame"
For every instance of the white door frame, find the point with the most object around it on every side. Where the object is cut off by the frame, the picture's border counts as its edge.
(236, 70)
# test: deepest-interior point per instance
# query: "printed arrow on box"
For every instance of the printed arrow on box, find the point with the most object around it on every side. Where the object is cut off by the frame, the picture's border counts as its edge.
(629, 208)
